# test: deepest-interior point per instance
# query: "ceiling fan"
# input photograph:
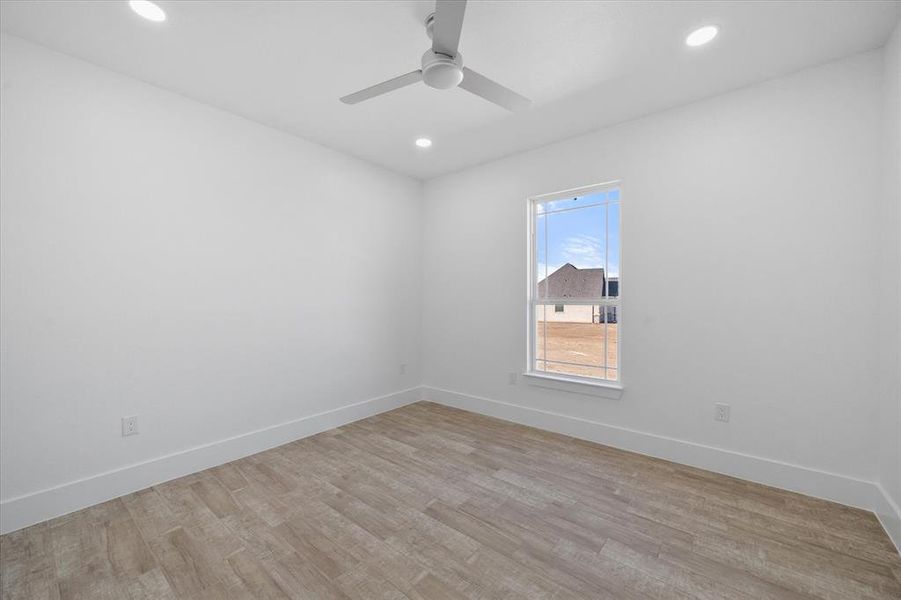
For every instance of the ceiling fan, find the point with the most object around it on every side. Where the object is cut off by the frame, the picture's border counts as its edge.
(442, 65)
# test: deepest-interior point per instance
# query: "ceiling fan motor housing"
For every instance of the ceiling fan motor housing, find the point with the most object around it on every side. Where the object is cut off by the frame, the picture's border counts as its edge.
(440, 71)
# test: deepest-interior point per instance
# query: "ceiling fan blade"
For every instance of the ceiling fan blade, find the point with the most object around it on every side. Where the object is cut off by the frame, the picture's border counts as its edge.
(492, 91)
(448, 23)
(384, 87)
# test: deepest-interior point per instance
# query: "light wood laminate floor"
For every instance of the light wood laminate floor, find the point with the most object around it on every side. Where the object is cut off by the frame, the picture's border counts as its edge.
(431, 502)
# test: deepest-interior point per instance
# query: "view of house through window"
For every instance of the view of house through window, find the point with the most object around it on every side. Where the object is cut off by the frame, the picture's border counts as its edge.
(575, 295)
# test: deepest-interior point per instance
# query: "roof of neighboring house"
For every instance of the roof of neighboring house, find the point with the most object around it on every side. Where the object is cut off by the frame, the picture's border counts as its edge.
(571, 282)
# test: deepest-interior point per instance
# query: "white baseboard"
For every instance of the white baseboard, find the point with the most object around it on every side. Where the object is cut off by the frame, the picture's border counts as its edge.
(35, 507)
(890, 518)
(846, 490)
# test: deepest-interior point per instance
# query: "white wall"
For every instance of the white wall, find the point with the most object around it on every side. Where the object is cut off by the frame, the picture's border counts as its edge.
(166, 259)
(761, 201)
(890, 308)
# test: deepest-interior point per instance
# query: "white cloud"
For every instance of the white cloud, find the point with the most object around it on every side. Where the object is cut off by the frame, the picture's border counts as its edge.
(583, 251)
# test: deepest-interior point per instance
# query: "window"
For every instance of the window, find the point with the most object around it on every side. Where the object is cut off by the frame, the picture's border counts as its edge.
(574, 300)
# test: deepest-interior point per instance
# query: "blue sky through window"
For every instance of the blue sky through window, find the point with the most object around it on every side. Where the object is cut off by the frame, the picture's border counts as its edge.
(583, 231)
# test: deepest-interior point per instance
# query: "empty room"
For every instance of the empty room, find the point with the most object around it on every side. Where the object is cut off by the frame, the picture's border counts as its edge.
(436, 299)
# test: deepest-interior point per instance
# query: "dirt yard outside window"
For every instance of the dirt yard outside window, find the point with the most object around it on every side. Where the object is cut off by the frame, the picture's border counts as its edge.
(577, 348)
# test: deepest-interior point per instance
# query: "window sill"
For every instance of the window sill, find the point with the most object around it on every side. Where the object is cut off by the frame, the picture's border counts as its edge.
(576, 385)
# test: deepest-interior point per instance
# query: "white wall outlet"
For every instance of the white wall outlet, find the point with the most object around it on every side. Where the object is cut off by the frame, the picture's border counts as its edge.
(721, 412)
(129, 425)
(403, 368)
(513, 377)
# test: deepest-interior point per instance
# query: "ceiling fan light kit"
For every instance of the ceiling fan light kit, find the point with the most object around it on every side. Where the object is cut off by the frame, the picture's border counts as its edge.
(442, 65)
(441, 72)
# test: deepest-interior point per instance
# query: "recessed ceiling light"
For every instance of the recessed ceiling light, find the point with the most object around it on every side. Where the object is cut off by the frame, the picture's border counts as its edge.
(702, 35)
(423, 142)
(148, 10)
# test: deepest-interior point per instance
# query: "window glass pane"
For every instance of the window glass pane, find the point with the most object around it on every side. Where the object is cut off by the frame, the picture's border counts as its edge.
(574, 254)
(540, 311)
(540, 255)
(581, 371)
(611, 339)
(576, 340)
(612, 249)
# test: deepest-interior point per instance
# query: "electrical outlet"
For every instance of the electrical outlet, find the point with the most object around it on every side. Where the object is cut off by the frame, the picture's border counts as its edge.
(129, 425)
(721, 412)
(403, 368)
(513, 378)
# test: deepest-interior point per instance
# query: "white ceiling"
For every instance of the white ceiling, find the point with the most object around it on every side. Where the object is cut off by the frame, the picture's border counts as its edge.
(585, 64)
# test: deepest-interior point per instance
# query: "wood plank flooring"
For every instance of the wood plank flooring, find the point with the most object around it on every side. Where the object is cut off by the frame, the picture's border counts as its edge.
(429, 502)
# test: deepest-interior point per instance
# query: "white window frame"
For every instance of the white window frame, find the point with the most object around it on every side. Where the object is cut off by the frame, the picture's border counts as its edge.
(533, 301)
